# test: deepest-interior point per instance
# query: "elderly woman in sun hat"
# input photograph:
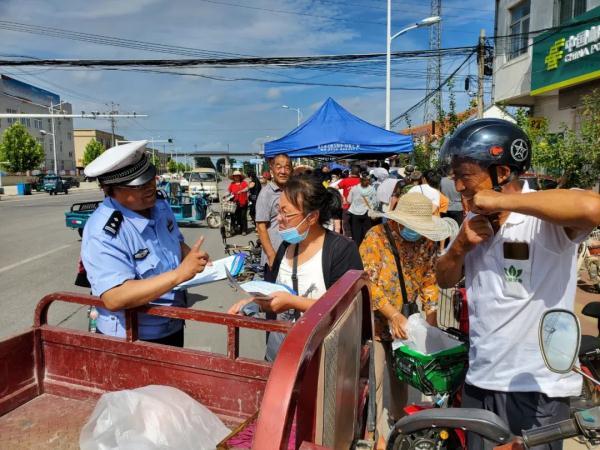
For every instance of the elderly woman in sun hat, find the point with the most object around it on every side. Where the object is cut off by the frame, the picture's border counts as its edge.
(411, 231)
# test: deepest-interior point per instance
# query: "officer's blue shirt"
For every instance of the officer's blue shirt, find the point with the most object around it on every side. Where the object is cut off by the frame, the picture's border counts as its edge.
(141, 248)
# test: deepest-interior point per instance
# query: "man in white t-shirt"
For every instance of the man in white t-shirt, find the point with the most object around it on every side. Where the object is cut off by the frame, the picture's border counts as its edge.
(517, 248)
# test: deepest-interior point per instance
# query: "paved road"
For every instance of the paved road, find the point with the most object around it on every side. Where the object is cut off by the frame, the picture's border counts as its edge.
(39, 254)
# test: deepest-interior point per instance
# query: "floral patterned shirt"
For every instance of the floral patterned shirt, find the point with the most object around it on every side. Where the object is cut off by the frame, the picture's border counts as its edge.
(418, 267)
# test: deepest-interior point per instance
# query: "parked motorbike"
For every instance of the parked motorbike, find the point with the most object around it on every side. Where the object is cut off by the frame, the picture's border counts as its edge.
(204, 210)
(588, 258)
(560, 339)
(227, 217)
(252, 267)
(589, 359)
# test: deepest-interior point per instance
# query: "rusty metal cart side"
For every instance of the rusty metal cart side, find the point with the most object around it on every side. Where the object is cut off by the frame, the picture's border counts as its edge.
(51, 377)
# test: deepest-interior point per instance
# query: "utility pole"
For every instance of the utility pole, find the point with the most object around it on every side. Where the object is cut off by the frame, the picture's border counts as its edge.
(434, 66)
(54, 138)
(113, 120)
(480, 68)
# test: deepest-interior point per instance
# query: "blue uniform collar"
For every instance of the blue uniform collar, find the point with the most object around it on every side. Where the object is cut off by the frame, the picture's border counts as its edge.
(138, 221)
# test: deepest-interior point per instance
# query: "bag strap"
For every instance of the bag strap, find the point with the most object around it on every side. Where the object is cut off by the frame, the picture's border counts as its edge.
(295, 269)
(366, 201)
(388, 232)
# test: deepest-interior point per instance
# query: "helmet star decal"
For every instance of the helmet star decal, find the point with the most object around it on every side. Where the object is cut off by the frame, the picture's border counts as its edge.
(519, 150)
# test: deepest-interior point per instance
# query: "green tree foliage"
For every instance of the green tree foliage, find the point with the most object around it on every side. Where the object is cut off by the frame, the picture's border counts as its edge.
(425, 154)
(573, 156)
(172, 166)
(19, 150)
(205, 161)
(155, 160)
(93, 149)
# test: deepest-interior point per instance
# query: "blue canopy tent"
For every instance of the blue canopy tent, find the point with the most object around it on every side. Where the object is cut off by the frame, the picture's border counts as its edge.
(332, 132)
(334, 166)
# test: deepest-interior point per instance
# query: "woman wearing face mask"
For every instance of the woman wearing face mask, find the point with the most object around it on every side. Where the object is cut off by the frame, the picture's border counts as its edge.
(409, 235)
(321, 256)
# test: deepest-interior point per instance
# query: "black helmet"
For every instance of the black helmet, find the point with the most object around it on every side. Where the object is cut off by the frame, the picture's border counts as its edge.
(491, 142)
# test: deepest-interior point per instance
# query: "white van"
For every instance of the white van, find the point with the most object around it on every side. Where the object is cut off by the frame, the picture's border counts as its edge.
(203, 179)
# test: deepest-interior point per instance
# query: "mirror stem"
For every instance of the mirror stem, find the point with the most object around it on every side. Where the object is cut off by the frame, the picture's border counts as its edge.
(585, 375)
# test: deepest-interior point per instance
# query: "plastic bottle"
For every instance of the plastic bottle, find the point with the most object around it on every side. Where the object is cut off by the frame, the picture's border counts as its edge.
(92, 315)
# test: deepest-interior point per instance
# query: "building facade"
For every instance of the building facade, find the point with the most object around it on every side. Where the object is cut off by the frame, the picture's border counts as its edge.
(550, 70)
(81, 138)
(17, 97)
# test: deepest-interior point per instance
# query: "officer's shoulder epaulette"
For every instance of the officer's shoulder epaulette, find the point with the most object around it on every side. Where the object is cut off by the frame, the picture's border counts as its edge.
(160, 194)
(114, 223)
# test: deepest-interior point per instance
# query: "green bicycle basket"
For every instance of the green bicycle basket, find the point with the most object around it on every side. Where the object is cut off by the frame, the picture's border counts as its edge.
(437, 373)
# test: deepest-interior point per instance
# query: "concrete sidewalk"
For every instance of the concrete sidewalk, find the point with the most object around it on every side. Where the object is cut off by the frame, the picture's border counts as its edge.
(11, 191)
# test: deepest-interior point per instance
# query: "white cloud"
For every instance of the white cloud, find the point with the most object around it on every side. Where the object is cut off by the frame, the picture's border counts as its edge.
(208, 113)
(273, 93)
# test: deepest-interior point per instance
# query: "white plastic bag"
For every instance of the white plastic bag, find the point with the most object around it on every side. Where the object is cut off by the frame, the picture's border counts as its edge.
(152, 417)
(424, 338)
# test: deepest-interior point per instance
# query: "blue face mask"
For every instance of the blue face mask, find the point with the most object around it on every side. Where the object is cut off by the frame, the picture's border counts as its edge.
(409, 235)
(292, 235)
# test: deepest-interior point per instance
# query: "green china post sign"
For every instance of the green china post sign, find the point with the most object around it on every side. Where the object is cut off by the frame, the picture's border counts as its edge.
(567, 57)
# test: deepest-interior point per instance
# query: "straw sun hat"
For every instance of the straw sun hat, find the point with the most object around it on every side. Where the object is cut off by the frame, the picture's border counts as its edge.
(414, 211)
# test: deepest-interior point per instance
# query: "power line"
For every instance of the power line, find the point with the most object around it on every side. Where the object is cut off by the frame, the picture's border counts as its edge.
(283, 61)
(421, 102)
(295, 13)
(110, 41)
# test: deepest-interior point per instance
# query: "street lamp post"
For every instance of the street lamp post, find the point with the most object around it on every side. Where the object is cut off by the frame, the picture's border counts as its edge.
(52, 106)
(44, 133)
(388, 69)
(298, 113)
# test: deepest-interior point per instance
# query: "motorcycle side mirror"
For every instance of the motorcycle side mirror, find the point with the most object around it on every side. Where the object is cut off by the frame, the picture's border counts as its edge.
(559, 336)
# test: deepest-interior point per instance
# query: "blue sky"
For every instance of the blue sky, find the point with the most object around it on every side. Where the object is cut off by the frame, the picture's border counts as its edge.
(209, 115)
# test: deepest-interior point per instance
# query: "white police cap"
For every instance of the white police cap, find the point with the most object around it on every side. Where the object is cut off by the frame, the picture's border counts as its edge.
(125, 164)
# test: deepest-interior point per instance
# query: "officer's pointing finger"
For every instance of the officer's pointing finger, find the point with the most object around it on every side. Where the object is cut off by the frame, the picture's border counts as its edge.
(198, 243)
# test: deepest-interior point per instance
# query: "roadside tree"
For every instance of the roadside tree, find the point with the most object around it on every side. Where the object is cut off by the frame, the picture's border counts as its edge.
(172, 166)
(93, 149)
(19, 151)
(572, 156)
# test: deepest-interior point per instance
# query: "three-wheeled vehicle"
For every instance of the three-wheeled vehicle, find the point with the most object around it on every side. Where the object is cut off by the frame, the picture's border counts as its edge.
(314, 396)
(191, 209)
(37, 182)
(54, 184)
(78, 215)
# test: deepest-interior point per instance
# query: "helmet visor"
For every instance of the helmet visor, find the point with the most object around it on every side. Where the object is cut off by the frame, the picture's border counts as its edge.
(482, 152)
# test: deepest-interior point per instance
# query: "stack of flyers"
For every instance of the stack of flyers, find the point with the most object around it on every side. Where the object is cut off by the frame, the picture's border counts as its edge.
(217, 271)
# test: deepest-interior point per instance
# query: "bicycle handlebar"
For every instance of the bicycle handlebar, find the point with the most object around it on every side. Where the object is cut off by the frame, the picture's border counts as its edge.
(550, 433)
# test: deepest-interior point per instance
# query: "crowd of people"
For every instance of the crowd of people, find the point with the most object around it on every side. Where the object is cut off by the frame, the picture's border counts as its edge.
(395, 223)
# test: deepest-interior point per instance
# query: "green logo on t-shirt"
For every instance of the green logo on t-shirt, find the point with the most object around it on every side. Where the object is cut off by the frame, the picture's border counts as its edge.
(513, 274)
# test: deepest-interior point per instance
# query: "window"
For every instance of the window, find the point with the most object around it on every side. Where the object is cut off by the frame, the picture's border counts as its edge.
(11, 120)
(568, 9)
(69, 135)
(26, 121)
(37, 123)
(519, 29)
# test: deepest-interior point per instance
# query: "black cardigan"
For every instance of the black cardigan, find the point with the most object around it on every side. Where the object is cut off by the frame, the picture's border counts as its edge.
(340, 254)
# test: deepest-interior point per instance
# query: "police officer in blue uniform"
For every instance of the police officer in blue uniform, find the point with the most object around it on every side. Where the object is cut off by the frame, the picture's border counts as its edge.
(133, 250)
